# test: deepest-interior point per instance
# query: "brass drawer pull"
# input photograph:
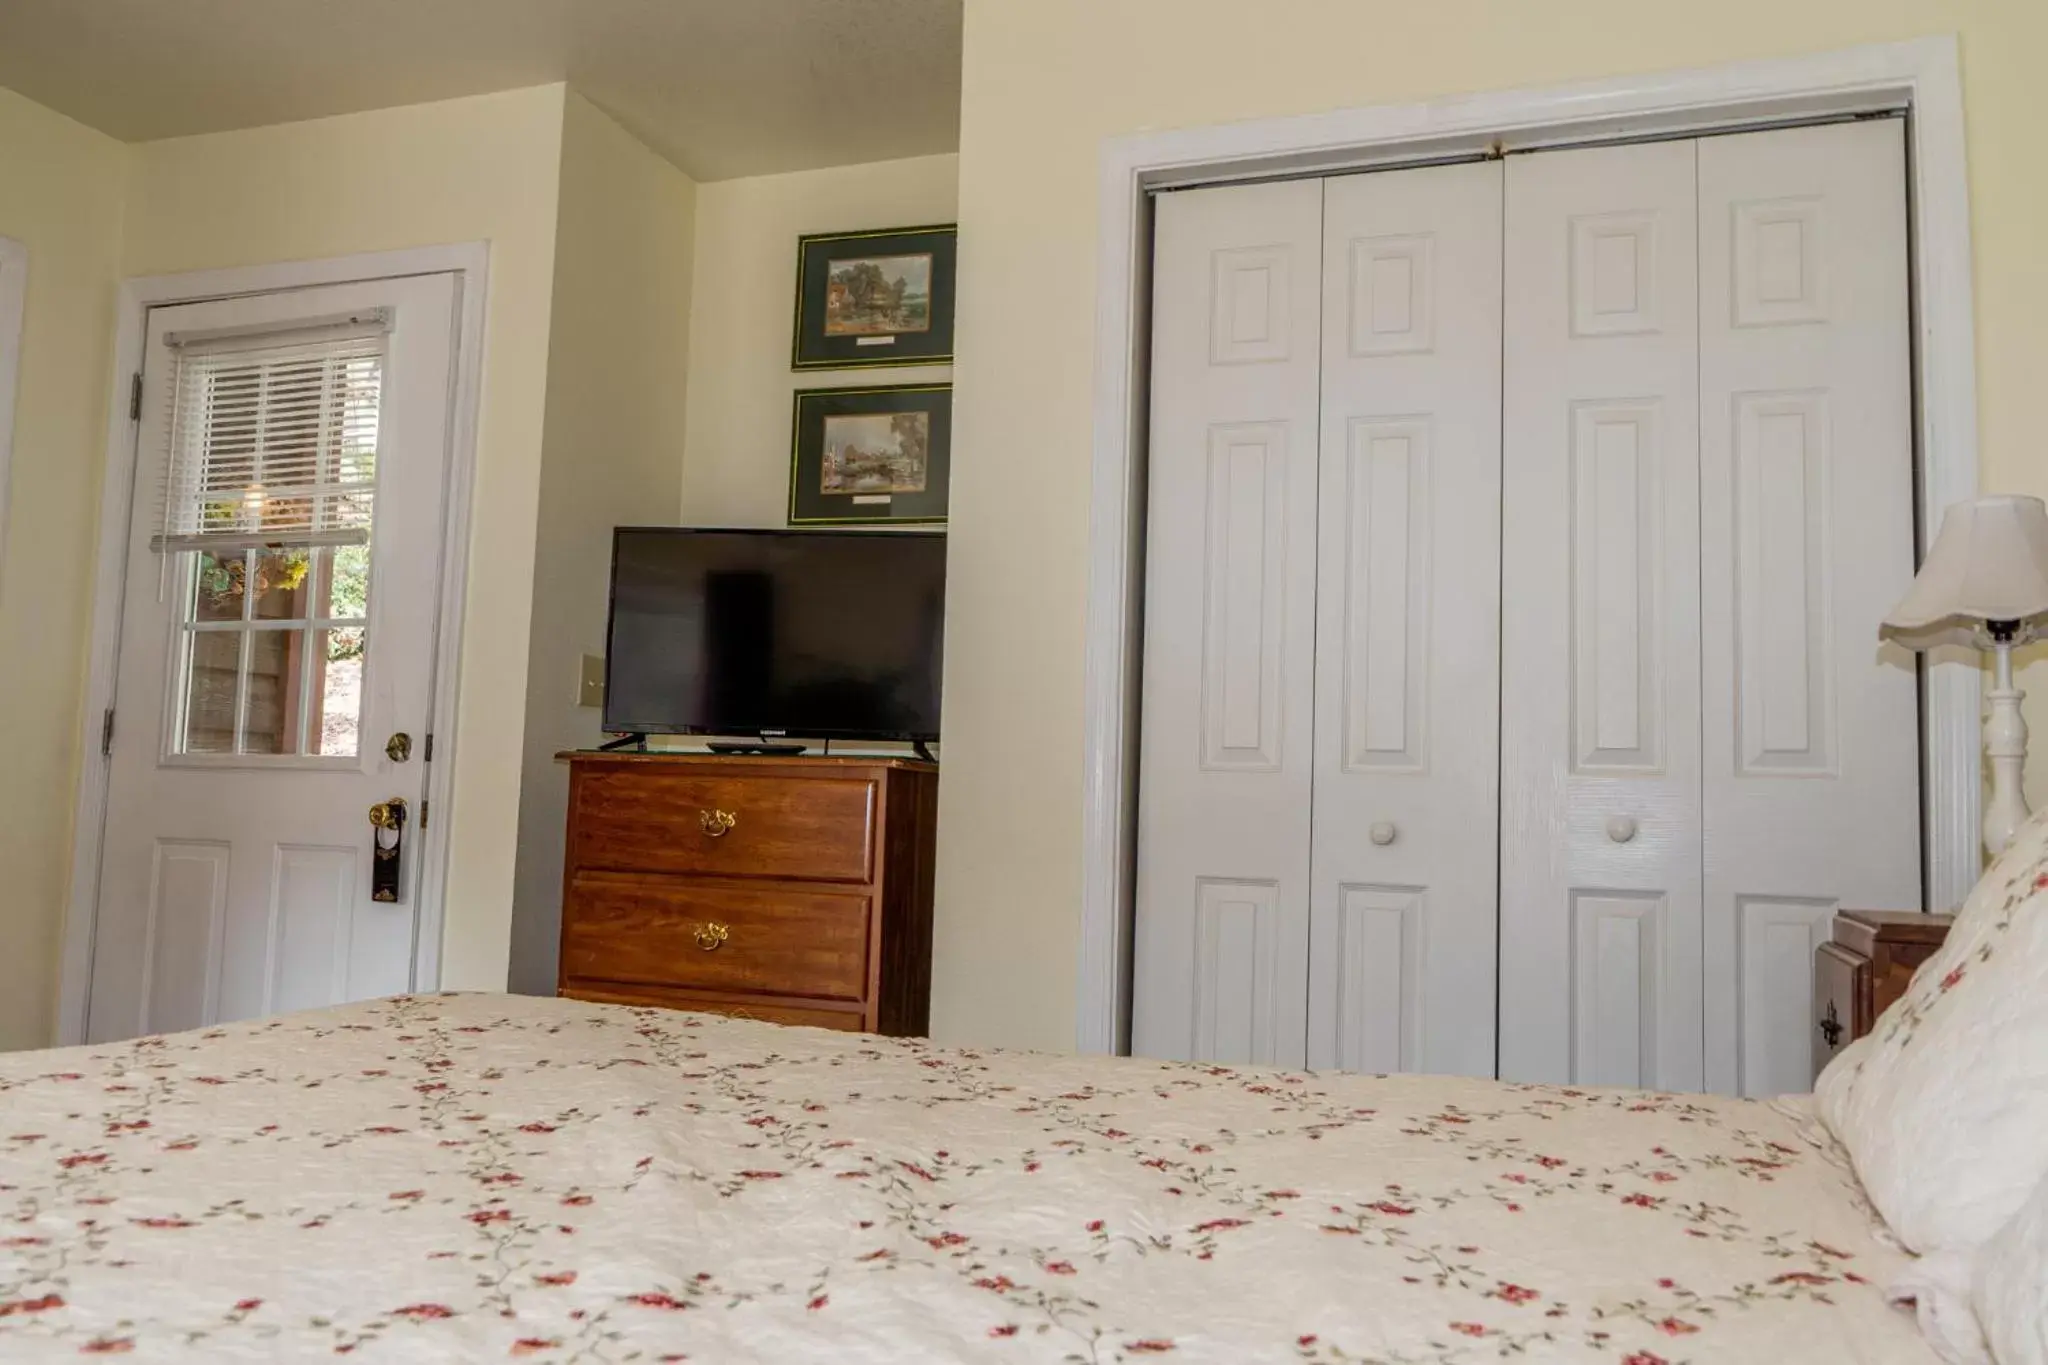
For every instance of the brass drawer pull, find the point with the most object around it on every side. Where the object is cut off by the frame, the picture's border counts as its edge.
(711, 934)
(715, 823)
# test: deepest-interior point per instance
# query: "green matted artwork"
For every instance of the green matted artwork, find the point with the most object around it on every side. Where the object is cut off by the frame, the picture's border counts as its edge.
(875, 298)
(871, 457)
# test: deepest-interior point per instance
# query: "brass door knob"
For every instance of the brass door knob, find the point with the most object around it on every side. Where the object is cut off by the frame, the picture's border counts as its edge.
(710, 935)
(388, 814)
(716, 823)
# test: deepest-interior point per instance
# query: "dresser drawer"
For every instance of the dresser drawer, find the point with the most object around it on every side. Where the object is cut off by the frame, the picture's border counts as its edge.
(783, 940)
(643, 819)
(1841, 1002)
(765, 1009)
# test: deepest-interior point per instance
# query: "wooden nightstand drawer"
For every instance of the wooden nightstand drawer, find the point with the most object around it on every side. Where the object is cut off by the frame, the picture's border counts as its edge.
(1841, 1001)
(1868, 966)
(646, 819)
(778, 940)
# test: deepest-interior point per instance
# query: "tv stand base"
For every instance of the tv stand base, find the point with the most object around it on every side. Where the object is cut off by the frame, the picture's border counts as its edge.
(764, 747)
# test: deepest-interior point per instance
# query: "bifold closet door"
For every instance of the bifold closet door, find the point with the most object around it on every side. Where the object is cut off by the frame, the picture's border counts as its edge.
(1222, 919)
(1405, 809)
(1811, 734)
(1600, 686)
(1708, 457)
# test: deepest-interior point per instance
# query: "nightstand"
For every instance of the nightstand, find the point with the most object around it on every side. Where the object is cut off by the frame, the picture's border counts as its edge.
(1866, 967)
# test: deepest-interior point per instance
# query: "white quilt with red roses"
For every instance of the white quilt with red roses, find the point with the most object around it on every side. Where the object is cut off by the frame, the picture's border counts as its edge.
(476, 1177)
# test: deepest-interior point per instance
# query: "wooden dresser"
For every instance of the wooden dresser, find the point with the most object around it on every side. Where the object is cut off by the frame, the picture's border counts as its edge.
(797, 890)
(1867, 966)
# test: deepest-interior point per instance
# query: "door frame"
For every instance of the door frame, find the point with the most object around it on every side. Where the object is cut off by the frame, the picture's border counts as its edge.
(1920, 76)
(469, 262)
(13, 302)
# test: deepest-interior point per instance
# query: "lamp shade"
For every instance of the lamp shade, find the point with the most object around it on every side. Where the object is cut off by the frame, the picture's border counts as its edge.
(1989, 563)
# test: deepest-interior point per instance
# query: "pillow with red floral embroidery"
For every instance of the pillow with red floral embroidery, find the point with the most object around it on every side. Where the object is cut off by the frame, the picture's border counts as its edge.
(1944, 1106)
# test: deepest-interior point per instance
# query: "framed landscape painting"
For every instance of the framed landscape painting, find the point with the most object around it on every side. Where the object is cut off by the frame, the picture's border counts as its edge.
(875, 298)
(866, 457)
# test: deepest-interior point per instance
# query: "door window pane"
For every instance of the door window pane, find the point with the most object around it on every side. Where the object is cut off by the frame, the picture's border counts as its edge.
(271, 690)
(213, 662)
(337, 692)
(282, 584)
(217, 586)
(347, 586)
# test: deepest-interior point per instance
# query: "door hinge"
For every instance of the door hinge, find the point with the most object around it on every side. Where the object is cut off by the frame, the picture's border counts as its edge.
(107, 733)
(427, 752)
(425, 806)
(135, 397)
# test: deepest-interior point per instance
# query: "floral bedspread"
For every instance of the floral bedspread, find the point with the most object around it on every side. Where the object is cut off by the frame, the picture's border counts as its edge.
(474, 1177)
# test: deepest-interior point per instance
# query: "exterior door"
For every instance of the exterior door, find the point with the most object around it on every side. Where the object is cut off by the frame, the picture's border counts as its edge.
(278, 632)
(1222, 917)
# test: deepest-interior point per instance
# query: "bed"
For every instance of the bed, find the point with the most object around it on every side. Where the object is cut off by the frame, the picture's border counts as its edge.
(478, 1177)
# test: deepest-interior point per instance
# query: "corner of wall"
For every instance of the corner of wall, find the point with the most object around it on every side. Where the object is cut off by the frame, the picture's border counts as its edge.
(61, 187)
(611, 448)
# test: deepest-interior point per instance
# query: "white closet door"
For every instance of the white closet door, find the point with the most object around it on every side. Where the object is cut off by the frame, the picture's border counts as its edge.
(1406, 811)
(1811, 726)
(1222, 922)
(1600, 840)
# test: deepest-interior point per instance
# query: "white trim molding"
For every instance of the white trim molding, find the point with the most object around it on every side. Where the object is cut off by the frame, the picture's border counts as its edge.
(1920, 77)
(13, 302)
(469, 262)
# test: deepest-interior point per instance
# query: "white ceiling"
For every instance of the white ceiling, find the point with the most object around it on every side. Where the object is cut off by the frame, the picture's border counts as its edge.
(721, 87)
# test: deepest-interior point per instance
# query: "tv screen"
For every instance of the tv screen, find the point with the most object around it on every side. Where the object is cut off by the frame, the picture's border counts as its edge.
(826, 634)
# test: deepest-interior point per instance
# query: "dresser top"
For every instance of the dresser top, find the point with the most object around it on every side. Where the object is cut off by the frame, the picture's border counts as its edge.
(676, 756)
(1902, 926)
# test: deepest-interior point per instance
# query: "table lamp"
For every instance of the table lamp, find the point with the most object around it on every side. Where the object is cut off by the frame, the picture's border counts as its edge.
(1985, 585)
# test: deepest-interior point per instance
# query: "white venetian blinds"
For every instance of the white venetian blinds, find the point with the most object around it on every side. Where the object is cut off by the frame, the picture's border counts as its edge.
(273, 437)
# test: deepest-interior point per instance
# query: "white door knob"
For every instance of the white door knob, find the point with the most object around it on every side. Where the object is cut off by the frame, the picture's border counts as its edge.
(1621, 828)
(1382, 833)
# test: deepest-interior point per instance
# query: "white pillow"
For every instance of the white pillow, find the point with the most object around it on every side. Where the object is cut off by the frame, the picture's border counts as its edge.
(1944, 1106)
(2010, 1287)
(1990, 1306)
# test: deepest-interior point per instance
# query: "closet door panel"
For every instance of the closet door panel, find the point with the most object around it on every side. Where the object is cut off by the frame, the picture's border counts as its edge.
(1222, 918)
(1600, 839)
(1811, 726)
(1405, 808)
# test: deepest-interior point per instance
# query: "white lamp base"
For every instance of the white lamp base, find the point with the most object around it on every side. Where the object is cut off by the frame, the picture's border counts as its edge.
(2005, 743)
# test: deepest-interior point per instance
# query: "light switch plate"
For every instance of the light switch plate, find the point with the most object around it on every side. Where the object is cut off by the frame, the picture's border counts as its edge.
(590, 687)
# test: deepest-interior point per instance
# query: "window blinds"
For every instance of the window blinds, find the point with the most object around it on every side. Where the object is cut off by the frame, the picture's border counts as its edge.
(273, 436)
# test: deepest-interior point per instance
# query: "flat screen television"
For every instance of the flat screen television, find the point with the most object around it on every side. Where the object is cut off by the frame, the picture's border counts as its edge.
(806, 634)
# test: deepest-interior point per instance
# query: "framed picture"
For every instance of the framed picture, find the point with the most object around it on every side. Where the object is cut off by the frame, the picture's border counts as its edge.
(865, 457)
(875, 298)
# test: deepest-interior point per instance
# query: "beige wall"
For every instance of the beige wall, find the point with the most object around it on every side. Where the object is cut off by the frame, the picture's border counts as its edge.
(736, 458)
(1045, 81)
(60, 195)
(611, 454)
(458, 171)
